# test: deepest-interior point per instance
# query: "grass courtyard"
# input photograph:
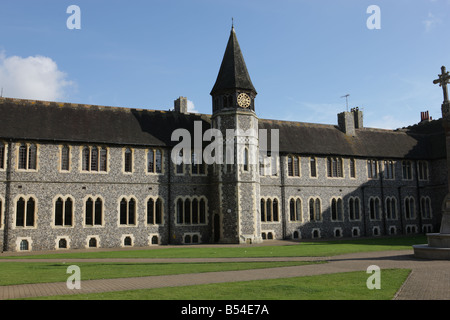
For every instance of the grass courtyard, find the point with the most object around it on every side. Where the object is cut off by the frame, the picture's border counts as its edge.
(342, 286)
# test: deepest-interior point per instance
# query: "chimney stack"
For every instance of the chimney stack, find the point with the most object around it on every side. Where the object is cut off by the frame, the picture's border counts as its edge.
(425, 116)
(181, 105)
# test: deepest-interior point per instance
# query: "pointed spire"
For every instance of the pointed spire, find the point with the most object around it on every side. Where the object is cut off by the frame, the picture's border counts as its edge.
(233, 73)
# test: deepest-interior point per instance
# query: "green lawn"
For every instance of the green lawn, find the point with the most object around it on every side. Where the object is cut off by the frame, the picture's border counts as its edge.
(12, 273)
(341, 286)
(302, 249)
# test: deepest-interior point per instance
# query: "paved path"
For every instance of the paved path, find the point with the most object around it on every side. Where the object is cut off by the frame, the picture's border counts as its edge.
(429, 280)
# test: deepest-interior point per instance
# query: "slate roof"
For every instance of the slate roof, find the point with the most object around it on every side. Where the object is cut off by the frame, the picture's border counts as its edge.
(426, 141)
(233, 73)
(63, 122)
(75, 123)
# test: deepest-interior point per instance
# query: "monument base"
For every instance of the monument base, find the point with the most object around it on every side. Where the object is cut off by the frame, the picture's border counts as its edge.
(438, 247)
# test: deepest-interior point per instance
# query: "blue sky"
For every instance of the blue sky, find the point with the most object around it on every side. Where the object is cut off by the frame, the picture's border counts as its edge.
(302, 56)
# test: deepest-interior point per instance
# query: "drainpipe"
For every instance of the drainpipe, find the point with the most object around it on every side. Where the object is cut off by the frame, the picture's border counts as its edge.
(169, 201)
(418, 196)
(283, 197)
(7, 196)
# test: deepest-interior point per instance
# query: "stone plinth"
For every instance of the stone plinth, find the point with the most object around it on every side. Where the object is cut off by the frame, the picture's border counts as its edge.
(438, 247)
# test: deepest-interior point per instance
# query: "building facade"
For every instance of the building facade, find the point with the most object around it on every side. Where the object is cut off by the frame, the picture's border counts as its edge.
(79, 176)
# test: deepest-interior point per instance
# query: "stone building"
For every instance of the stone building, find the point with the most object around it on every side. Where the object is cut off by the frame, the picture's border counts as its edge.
(83, 176)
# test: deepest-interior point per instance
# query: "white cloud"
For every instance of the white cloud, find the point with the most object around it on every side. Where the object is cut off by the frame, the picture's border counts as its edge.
(36, 78)
(191, 107)
(431, 21)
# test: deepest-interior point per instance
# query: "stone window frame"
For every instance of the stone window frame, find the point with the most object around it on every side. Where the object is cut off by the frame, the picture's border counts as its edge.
(155, 199)
(425, 202)
(408, 210)
(372, 169)
(298, 216)
(377, 215)
(147, 161)
(332, 172)
(125, 236)
(376, 231)
(99, 148)
(64, 199)
(27, 168)
(352, 169)
(388, 163)
(265, 234)
(339, 203)
(97, 241)
(358, 232)
(181, 165)
(3, 155)
(265, 201)
(19, 244)
(390, 228)
(58, 239)
(183, 213)
(192, 235)
(202, 167)
(390, 206)
(313, 231)
(128, 160)
(61, 160)
(316, 200)
(290, 166)
(36, 211)
(150, 239)
(94, 199)
(407, 171)
(338, 229)
(351, 203)
(423, 170)
(136, 211)
(316, 176)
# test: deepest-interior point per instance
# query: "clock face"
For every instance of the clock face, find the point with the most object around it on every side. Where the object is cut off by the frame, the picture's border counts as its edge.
(244, 100)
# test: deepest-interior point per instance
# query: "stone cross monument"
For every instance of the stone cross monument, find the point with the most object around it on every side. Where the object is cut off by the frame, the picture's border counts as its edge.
(439, 243)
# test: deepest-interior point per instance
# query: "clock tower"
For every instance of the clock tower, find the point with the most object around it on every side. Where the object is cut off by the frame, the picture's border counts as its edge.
(236, 192)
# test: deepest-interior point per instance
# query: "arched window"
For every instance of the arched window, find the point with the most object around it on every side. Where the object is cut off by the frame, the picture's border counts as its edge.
(62, 243)
(128, 160)
(24, 245)
(180, 211)
(127, 241)
(315, 209)
(127, 212)
(63, 212)
(22, 157)
(425, 207)
(354, 208)
(391, 208)
(92, 242)
(374, 208)
(410, 211)
(25, 212)
(65, 158)
(263, 210)
(295, 209)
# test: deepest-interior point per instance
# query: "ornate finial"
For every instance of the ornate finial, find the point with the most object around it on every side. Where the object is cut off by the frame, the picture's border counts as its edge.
(232, 24)
(443, 80)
